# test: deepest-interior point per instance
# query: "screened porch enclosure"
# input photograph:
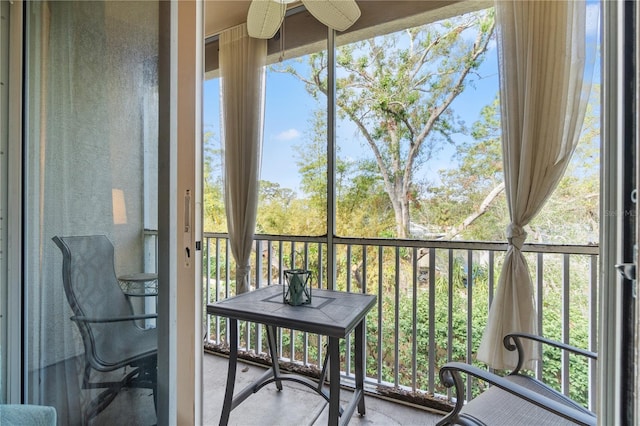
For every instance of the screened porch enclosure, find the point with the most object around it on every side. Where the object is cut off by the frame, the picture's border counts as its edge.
(386, 144)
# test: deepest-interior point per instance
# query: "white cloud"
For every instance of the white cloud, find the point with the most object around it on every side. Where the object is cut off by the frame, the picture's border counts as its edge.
(288, 135)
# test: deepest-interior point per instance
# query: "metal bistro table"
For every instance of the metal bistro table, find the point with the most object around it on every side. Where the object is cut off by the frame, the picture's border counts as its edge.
(331, 313)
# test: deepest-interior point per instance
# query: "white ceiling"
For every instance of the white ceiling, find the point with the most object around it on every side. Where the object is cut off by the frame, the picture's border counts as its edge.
(222, 14)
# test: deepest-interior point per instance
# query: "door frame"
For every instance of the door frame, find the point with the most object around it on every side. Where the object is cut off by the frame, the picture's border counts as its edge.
(179, 226)
(615, 400)
(13, 217)
(180, 57)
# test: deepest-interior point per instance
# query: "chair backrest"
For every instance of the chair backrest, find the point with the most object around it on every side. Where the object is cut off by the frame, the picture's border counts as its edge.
(93, 291)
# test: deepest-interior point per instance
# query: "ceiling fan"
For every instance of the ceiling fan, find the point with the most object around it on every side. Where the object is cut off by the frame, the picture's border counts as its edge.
(265, 16)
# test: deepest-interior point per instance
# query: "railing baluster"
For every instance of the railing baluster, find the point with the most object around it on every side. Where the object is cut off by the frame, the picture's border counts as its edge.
(364, 290)
(227, 274)
(292, 333)
(414, 316)
(258, 327)
(348, 267)
(320, 275)
(396, 320)
(540, 299)
(320, 265)
(217, 286)
(281, 280)
(491, 267)
(593, 328)
(305, 350)
(380, 302)
(364, 269)
(565, 322)
(469, 317)
(348, 338)
(432, 319)
(280, 262)
(269, 261)
(208, 289)
(450, 312)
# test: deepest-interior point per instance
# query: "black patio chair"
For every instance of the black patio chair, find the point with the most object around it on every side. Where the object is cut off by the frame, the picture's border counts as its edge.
(106, 321)
(514, 399)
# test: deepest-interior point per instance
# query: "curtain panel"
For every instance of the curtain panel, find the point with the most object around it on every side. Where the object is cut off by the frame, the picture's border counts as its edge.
(545, 82)
(242, 72)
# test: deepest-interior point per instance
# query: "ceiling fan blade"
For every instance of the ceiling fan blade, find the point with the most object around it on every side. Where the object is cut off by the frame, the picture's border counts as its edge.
(336, 14)
(264, 18)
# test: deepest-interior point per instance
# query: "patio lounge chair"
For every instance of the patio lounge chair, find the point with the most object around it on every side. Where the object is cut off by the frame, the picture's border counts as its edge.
(515, 399)
(104, 316)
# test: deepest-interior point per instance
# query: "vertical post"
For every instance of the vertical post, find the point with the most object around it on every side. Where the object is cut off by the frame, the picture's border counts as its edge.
(331, 158)
(540, 304)
(566, 334)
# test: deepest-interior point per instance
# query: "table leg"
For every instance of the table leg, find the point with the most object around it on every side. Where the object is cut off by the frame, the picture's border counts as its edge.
(273, 351)
(360, 362)
(231, 374)
(334, 380)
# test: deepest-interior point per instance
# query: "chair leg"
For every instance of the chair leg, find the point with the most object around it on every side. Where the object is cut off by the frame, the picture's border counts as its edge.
(141, 376)
(99, 403)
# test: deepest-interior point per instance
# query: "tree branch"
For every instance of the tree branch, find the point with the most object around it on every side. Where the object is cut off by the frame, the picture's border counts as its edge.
(484, 206)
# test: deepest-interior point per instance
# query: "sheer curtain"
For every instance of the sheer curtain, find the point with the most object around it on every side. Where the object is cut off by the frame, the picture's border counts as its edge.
(242, 71)
(545, 83)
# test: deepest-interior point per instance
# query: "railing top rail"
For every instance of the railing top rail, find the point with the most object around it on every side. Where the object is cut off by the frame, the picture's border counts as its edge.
(584, 249)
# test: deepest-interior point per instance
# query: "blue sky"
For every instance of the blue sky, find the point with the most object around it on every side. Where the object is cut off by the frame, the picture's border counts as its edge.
(289, 110)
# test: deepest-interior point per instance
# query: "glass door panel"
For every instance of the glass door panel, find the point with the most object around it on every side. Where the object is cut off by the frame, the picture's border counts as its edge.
(91, 199)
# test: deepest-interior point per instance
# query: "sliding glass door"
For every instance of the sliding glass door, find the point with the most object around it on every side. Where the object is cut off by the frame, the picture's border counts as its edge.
(91, 210)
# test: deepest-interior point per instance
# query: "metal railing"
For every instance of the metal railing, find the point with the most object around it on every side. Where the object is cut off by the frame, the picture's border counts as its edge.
(433, 301)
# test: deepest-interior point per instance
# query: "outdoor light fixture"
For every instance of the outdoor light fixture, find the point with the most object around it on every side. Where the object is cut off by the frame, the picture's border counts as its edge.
(297, 289)
(266, 16)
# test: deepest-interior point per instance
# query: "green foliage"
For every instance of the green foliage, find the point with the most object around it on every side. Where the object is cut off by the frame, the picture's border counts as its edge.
(213, 193)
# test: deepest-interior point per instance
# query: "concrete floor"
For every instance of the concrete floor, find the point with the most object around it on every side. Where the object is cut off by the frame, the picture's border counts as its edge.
(295, 405)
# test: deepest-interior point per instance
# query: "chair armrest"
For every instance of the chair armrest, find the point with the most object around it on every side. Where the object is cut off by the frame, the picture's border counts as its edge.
(114, 319)
(513, 341)
(450, 377)
(128, 294)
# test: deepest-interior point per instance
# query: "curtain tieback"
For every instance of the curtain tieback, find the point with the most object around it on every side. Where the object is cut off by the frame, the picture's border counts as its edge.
(516, 235)
(243, 271)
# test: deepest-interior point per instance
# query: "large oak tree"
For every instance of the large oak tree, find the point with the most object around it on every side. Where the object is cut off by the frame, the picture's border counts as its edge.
(398, 89)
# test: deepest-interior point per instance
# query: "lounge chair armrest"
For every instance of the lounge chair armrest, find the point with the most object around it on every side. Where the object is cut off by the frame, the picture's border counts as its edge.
(114, 319)
(450, 377)
(513, 341)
